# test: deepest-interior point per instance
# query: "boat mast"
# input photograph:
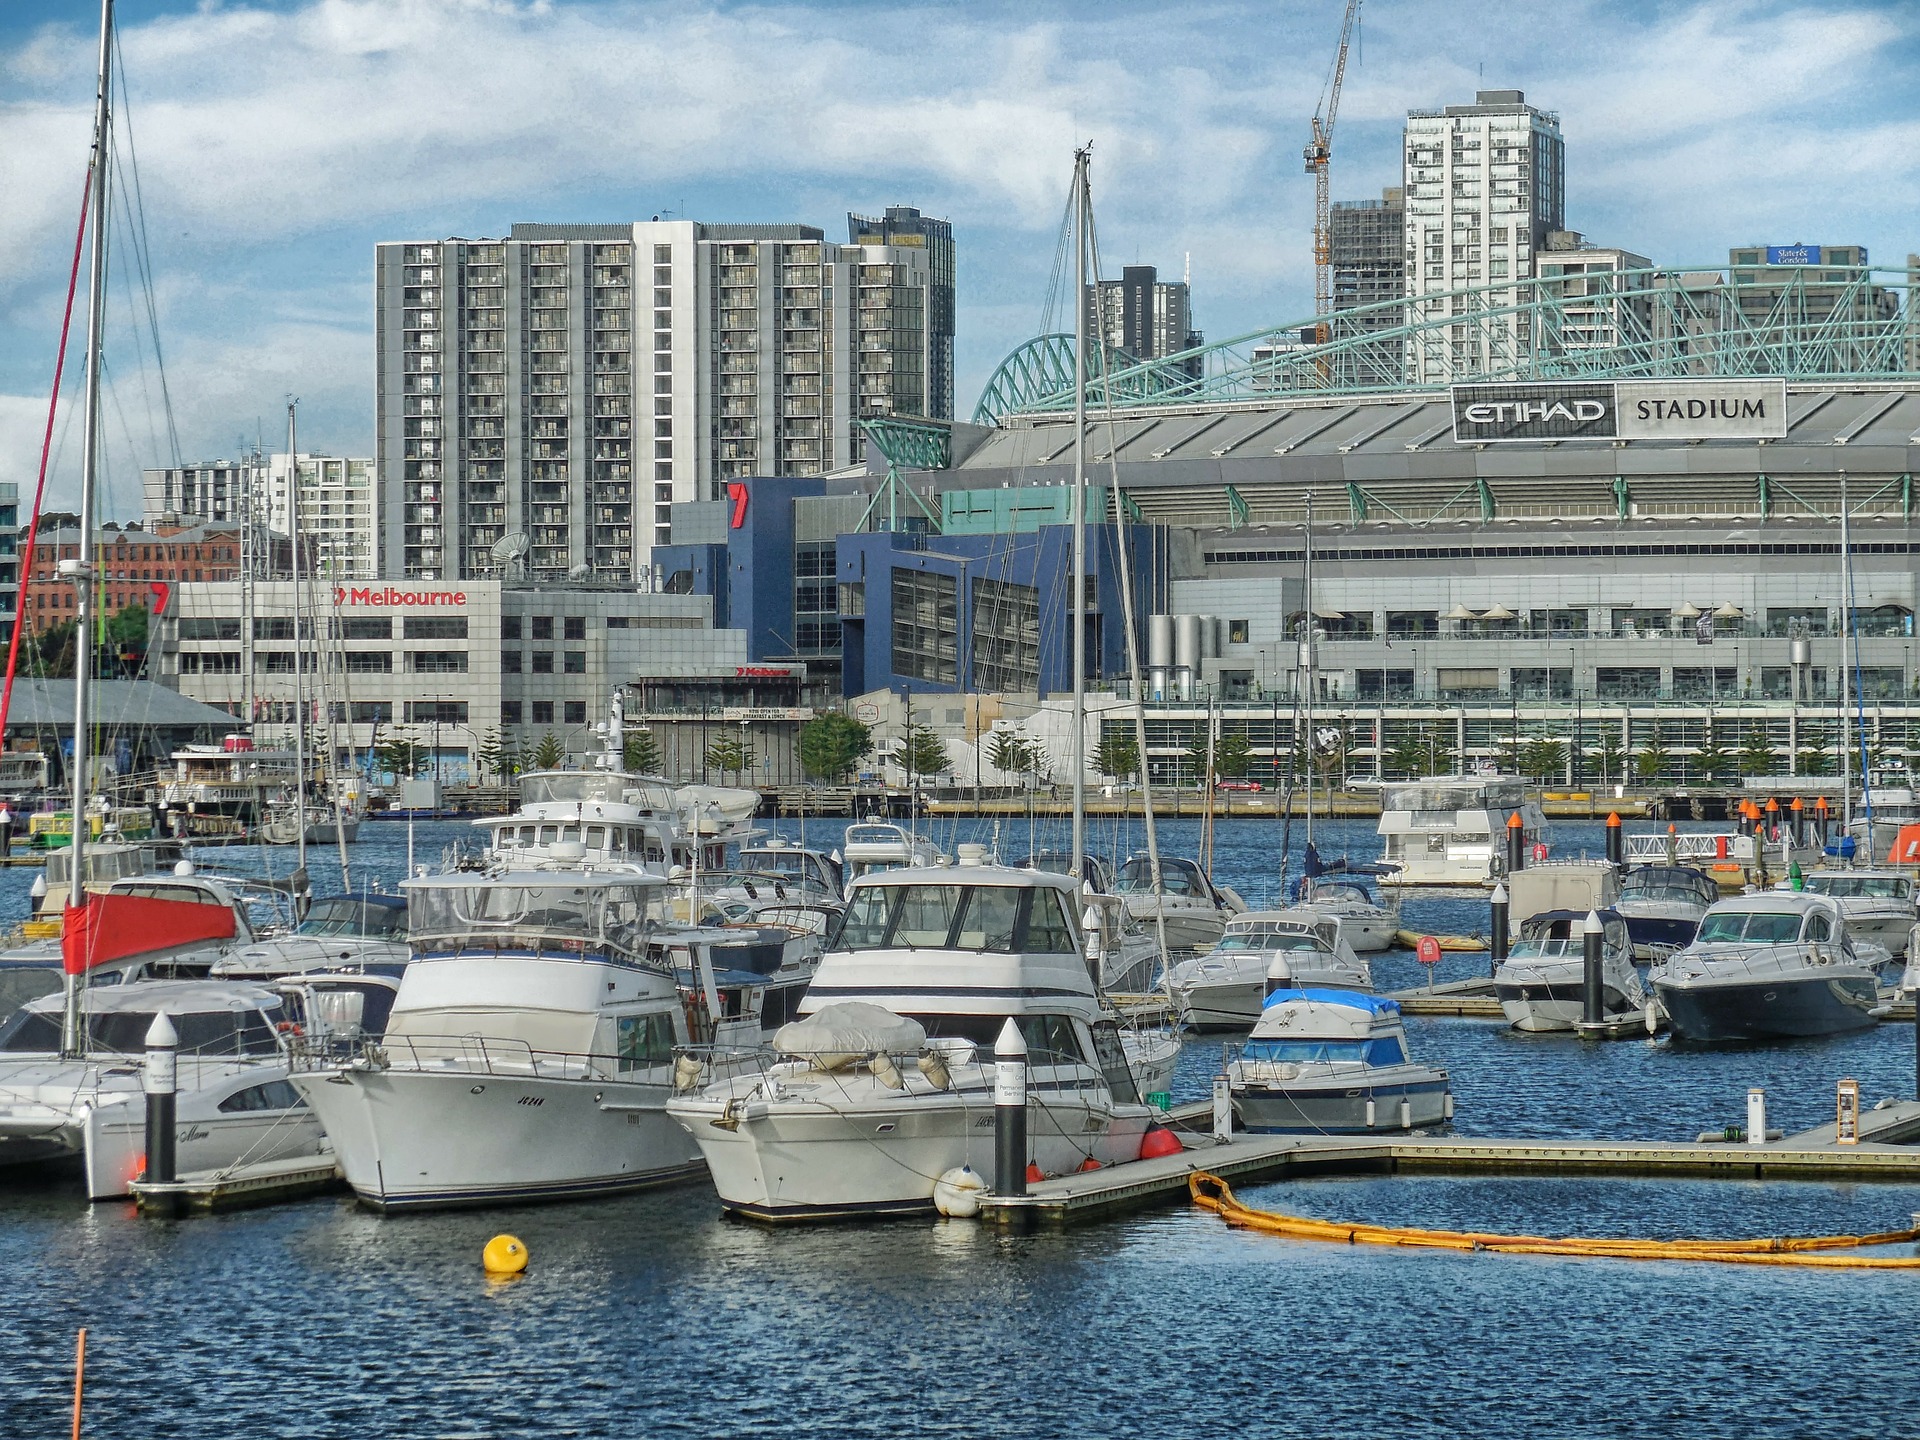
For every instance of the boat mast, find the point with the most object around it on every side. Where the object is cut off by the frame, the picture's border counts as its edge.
(1846, 666)
(1081, 209)
(299, 665)
(1307, 657)
(79, 571)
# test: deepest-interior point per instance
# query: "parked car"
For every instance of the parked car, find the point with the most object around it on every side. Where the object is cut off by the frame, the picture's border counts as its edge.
(1253, 785)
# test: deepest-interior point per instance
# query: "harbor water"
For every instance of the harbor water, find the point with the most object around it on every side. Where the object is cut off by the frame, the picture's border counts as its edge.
(652, 1315)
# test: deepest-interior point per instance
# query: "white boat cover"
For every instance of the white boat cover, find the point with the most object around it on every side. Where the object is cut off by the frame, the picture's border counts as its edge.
(837, 1035)
(734, 805)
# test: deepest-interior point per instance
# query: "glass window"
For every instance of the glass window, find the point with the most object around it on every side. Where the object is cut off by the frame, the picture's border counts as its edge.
(864, 928)
(1049, 932)
(988, 921)
(542, 627)
(276, 1095)
(926, 914)
(576, 627)
(643, 1041)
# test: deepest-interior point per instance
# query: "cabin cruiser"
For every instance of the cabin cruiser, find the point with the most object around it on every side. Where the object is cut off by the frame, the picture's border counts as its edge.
(1541, 984)
(1778, 963)
(1878, 905)
(886, 1082)
(368, 931)
(1333, 1062)
(1192, 909)
(1662, 905)
(1452, 829)
(1226, 988)
(105, 862)
(1365, 924)
(323, 824)
(213, 788)
(874, 845)
(813, 870)
(234, 1103)
(612, 817)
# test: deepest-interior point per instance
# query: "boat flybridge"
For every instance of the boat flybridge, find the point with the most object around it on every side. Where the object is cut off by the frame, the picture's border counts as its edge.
(1226, 988)
(1452, 829)
(886, 1082)
(1541, 984)
(1763, 966)
(874, 845)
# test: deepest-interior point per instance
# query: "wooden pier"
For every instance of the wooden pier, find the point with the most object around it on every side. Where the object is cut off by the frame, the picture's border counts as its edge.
(266, 1183)
(1811, 1155)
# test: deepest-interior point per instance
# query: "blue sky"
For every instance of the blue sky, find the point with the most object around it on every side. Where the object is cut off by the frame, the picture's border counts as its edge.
(278, 140)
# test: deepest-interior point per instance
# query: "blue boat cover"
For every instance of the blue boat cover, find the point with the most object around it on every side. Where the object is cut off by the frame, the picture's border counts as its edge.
(1353, 999)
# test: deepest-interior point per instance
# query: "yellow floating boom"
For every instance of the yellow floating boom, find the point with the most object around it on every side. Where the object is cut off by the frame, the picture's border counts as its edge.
(1212, 1193)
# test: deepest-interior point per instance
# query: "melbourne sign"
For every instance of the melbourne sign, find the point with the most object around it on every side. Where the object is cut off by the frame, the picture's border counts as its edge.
(1620, 410)
(389, 595)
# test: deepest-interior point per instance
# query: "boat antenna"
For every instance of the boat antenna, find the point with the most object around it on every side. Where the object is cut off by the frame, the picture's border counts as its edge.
(79, 572)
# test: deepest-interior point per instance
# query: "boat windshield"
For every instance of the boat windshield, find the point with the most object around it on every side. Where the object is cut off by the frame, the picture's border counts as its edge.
(1268, 940)
(1857, 887)
(1683, 886)
(1385, 1050)
(786, 864)
(593, 787)
(508, 915)
(1759, 927)
(1177, 877)
(210, 1033)
(1343, 891)
(343, 915)
(1000, 918)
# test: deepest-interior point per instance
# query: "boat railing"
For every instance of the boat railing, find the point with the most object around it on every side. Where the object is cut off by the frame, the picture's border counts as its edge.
(1049, 1073)
(467, 1054)
(1765, 961)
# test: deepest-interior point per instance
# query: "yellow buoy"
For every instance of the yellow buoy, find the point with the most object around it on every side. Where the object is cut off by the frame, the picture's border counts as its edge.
(504, 1255)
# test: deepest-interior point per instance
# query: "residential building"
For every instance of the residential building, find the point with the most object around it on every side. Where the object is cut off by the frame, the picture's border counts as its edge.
(212, 490)
(336, 512)
(10, 540)
(545, 399)
(902, 226)
(1144, 315)
(130, 563)
(1789, 290)
(1596, 313)
(1484, 186)
(1369, 274)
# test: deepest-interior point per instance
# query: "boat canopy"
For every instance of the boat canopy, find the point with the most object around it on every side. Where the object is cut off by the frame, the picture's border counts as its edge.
(1669, 882)
(1351, 999)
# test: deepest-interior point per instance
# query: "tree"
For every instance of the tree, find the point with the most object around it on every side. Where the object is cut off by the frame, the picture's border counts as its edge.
(642, 752)
(925, 753)
(730, 752)
(1012, 753)
(1757, 755)
(1613, 758)
(1543, 759)
(1816, 752)
(1116, 756)
(1232, 756)
(548, 753)
(402, 756)
(1712, 760)
(126, 641)
(1650, 765)
(1422, 752)
(1198, 753)
(832, 744)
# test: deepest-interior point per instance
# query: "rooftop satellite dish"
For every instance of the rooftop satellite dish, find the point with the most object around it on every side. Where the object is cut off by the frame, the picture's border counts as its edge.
(509, 554)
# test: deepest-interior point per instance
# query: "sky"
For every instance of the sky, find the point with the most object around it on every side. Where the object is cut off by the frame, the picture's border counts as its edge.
(277, 141)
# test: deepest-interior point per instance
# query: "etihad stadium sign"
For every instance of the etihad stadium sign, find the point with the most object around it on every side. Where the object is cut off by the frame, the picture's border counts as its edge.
(1620, 410)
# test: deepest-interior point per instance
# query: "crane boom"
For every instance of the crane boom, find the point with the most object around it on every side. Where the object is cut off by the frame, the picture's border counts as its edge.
(1318, 155)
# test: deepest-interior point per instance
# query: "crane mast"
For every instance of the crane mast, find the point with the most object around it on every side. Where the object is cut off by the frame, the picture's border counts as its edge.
(1318, 155)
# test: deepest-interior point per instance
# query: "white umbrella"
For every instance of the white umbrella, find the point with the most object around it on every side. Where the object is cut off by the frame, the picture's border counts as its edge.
(1460, 612)
(1728, 611)
(1498, 612)
(1685, 610)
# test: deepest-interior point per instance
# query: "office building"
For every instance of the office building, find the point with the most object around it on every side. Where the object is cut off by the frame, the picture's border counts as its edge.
(1484, 186)
(1370, 270)
(336, 512)
(1790, 289)
(1144, 315)
(1593, 313)
(10, 541)
(211, 490)
(545, 399)
(905, 227)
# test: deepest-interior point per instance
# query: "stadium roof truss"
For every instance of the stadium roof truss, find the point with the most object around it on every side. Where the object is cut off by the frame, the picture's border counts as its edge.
(1802, 323)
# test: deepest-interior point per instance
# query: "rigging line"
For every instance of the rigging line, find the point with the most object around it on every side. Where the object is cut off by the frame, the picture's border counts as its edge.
(1049, 307)
(46, 446)
(143, 252)
(117, 174)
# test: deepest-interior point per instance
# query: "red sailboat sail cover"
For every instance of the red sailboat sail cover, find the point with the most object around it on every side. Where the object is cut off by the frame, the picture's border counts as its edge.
(112, 927)
(1906, 846)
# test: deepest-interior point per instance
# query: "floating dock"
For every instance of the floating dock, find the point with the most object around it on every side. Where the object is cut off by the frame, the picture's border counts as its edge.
(1811, 1155)
(266, 1183)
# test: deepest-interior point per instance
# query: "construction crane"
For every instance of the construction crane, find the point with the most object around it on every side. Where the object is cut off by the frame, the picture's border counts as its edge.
(1319, 153)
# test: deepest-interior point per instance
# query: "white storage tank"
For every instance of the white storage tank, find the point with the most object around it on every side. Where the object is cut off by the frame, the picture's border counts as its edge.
(1160, 642)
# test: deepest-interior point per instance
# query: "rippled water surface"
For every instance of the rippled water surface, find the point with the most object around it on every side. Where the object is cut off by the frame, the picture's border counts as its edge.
(651, 1315)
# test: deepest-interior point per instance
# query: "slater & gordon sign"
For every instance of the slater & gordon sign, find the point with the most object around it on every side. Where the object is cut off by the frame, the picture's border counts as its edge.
(1620, 410)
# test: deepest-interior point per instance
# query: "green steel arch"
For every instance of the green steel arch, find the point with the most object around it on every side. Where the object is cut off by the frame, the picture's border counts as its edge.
(1811, 322)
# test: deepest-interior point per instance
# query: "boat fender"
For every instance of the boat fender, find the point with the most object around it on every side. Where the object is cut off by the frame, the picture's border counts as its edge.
(1089, 1164)
(1158, 1143)
(882, 1068)
(956, 1194)
(935, 1069)
(1034, 1173)
(687, 1074)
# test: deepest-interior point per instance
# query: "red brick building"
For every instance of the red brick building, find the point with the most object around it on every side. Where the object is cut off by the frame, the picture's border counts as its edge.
(127, 560)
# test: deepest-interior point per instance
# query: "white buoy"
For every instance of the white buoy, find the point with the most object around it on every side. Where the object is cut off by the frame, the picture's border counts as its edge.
(956, 1194)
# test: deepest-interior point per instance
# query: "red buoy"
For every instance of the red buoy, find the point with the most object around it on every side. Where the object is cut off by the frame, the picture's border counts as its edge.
(1089, 1164)
(1034, 1177)
(1158, 1143)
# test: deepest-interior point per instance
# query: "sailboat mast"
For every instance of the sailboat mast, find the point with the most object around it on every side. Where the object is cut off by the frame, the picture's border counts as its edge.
(1081, 210)
(1306, 659)
(1846, 663)
(299, 666)
(80, 571)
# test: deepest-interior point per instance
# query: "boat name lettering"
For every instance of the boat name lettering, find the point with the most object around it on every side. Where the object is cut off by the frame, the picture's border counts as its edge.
(390, 595)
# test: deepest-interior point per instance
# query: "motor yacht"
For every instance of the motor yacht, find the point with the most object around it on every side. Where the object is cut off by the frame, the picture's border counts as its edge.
(1662, 905)
(874, 845)
(368, 931)
(808, 871)
(87, 1106)
(1452, 829)
(1878, 905)
(886, 1082)
(1192, 909)
(1365, 924)
(1541, 984)
(1226, 988)
(1764, 966)
(1333, 1062)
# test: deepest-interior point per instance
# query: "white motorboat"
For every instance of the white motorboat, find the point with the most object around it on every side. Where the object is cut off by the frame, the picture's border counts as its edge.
(1366, 924)
(1261, 950)
(1192, 909)
(234, 1103)
(1452, 829)
(105, 863)
(1765, 966)
(324, 824)
(886, 1084)
(1333, 1062)
(1541, 984)
(873, 846)
(1878, 905)
(1662, 905)
(368, 931)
